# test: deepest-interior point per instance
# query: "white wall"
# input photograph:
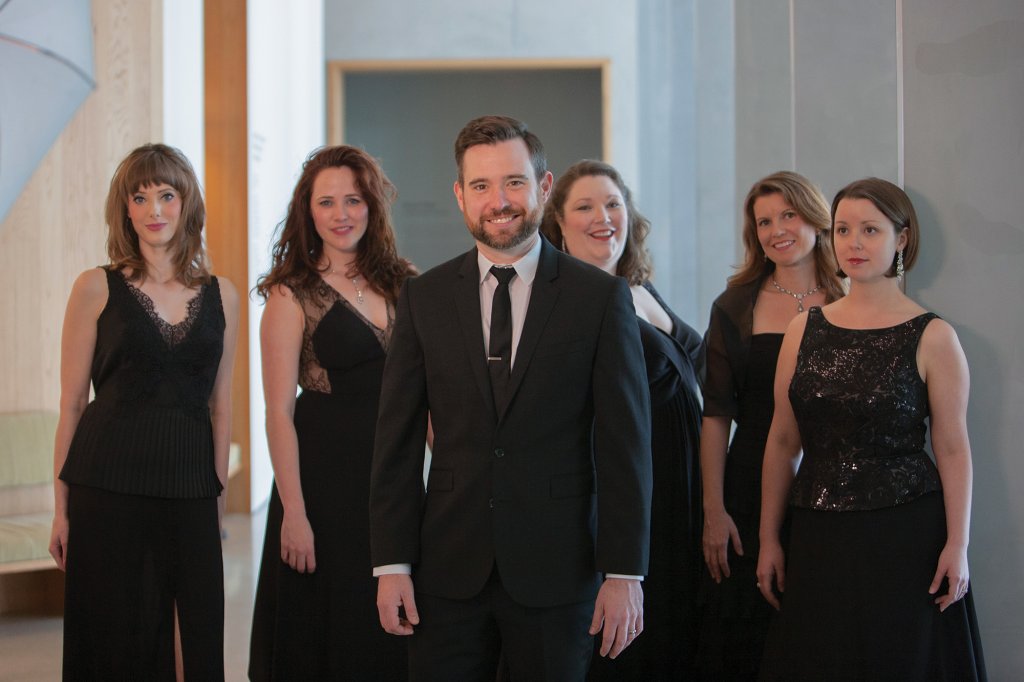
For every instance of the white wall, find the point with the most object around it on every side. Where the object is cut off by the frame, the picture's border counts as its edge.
(183, 114)
(286, 122)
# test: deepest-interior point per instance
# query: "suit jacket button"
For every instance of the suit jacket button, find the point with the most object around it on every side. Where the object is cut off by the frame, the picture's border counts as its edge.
(499, 452)
(490, 503)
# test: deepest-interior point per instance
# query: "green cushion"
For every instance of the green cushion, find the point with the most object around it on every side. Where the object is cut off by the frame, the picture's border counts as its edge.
(26, 447)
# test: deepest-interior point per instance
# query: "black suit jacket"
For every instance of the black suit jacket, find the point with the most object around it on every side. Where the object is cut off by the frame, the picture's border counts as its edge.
(555, 488)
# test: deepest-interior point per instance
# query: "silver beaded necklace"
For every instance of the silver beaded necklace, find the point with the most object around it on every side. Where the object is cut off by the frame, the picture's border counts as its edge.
(799, 297)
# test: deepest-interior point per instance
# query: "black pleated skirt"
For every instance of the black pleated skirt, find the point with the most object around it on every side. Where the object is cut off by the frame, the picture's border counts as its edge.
(130, 561)
(857, 607)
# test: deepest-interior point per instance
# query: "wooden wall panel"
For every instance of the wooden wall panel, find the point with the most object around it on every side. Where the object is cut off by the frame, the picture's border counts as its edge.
(227, 196)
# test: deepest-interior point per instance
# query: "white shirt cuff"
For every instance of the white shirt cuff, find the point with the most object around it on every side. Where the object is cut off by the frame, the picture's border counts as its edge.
(618, 575)
(392, 569)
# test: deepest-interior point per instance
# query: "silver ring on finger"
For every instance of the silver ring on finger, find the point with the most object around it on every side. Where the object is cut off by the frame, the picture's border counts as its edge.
(632, 633)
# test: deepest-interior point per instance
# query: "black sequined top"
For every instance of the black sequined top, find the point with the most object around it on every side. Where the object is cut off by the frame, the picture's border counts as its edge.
(148, 431)
(861, 406)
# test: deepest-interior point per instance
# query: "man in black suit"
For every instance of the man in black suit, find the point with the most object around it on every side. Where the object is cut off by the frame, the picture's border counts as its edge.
(533, 532)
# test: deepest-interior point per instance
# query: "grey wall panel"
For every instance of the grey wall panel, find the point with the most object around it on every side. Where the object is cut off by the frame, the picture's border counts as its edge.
(845, 79)
(962, 99)
(685, 72)
(666, 187)
(964, 94)
(764, 125)
(715, 89)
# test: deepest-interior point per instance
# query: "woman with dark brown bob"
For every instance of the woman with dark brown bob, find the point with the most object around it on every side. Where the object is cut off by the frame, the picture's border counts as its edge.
(143, 466)
(590, 215)
(873, 583)
(330, 304)
(788, 266)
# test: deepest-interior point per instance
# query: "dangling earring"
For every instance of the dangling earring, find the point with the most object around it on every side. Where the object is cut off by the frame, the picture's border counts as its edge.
(899, 266)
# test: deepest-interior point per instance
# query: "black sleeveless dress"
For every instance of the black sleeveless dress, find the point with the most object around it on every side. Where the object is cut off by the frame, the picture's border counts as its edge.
(666, 649)
(735, 616)
(324, 625)
(868, 521)
(143, 533)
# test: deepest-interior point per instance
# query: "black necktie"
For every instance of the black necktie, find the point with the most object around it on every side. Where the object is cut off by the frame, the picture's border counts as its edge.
(499, 351)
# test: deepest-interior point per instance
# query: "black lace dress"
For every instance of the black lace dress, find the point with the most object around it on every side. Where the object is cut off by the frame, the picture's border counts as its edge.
(324, 625)
(868, 521)
(143, 534)
(666, 649)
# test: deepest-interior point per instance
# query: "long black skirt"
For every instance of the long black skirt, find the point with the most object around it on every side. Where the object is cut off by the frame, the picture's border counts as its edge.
(856, 605)
(324, 625)
(131, 560)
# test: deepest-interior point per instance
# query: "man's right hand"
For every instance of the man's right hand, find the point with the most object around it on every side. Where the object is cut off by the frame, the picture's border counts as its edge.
(395, 591)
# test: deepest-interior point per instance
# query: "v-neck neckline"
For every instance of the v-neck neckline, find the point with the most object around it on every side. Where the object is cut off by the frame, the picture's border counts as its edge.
(159, 324)
(348, 304)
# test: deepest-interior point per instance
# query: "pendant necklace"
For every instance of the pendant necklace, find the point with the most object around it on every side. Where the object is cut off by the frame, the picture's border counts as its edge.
(799, 297)
(359, 292)
(360, 299)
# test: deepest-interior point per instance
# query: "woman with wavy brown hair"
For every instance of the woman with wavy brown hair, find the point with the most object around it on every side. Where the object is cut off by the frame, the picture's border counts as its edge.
(330, 296)
(143, 466)
(591, 215)
(788, 266)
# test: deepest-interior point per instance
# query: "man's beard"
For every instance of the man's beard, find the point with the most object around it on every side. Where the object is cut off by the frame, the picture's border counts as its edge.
(507, 240)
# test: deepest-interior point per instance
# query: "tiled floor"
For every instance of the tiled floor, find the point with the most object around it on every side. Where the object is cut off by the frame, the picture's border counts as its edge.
(30, 645)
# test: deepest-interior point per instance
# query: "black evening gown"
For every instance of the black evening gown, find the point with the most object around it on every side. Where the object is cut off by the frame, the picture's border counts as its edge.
(324, 625)
(735, 616)
(867, 520)
(666, 649)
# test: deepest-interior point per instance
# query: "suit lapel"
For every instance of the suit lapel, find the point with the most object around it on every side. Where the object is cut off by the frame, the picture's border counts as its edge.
(467, 302)
(543, 297)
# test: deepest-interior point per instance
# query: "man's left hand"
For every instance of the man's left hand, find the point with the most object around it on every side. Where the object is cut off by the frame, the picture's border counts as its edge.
(619, 610)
